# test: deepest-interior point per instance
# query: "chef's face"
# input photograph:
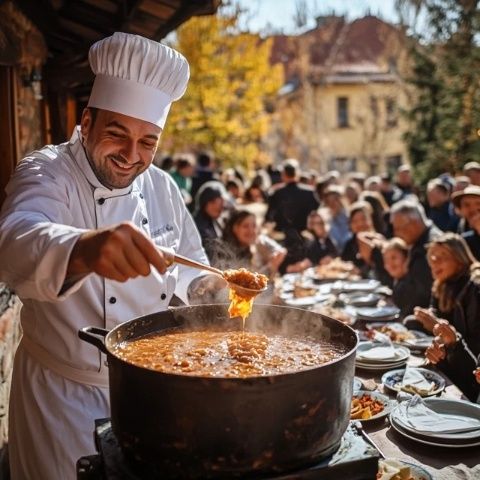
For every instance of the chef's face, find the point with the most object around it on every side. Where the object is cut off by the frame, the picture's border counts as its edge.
(119, 148)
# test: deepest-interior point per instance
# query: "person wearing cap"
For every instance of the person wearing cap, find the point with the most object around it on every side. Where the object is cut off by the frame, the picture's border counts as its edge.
(405, 180)
(79, 232)
(472, 171)
(467, 203)
(439, 207)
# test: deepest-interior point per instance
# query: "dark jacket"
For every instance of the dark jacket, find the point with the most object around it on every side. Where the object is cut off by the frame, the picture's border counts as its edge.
(210, 239)
(465, 317)
(350, 254)
(289, 206)
(316, 249)
(473, 241)
(444, 217)
(416, 287)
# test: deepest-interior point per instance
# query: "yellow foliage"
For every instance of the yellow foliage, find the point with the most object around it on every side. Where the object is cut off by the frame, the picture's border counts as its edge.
(230, 80)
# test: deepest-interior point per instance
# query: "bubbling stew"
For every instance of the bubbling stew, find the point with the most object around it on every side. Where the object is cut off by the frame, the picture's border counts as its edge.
(226, 353)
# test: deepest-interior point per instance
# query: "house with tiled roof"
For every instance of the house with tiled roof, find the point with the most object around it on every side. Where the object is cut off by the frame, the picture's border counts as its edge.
(340, 105)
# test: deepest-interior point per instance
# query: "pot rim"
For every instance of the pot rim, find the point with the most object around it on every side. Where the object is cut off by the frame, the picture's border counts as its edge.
(110, 340)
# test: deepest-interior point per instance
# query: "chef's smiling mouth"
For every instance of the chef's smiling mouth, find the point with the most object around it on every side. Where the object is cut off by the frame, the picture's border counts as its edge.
(122, 165)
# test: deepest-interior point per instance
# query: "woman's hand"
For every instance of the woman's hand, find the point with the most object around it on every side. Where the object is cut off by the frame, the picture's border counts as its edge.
(436, 351)
(446, 332)
(276, 260)
(426, 317)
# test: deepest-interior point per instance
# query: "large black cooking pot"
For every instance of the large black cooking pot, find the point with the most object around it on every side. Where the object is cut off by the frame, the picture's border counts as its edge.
(195, 427)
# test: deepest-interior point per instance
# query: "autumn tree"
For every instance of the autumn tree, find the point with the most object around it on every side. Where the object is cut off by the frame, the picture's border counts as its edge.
(231, 82)
(444, 118)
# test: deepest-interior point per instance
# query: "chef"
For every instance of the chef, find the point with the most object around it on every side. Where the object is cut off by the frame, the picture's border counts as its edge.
(78, 237)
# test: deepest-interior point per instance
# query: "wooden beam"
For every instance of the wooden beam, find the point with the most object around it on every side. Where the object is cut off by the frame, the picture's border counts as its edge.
(39, 12)
(187, 10)
(8, 135)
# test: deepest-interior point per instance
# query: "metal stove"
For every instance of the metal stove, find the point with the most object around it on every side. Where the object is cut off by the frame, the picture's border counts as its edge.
(355, 459)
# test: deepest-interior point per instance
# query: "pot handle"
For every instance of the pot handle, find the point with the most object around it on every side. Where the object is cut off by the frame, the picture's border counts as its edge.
(95, 336)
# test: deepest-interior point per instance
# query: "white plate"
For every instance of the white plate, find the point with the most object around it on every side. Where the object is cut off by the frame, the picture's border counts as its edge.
(396, 326)
(433, 443)
(392, 380)
(387, 312)
(355, 286)
(381, 368)
(360, 299)
(440, 405)
(401, 353)
(306, 301)
(387, 404)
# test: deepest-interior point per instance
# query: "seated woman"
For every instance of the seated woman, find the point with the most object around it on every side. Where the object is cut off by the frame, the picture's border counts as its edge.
(247, 248)
(318, 247)
(395, 260)
(456, 293)
(360, 220)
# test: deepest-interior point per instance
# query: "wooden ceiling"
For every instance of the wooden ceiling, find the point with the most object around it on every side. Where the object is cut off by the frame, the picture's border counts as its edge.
(70, 27)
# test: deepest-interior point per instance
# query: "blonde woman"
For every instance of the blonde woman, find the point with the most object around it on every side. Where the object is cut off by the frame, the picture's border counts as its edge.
(456, 296)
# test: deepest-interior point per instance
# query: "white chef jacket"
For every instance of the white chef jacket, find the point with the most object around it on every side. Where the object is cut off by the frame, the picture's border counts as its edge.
(52, 198)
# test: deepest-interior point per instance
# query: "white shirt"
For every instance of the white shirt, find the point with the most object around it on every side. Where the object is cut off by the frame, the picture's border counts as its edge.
(53, 197)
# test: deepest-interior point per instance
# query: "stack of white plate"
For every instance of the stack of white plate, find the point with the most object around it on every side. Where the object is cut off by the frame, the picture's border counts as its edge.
(380, 357)
(379, 314)
(453, 409)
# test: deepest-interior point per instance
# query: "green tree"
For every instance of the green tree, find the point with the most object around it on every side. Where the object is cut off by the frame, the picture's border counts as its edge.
(444, 118)
(231, 81)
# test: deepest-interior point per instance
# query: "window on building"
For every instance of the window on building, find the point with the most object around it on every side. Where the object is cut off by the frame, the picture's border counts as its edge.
(374, 106)
(343, 164)
(391, 113)
(393, 162)
(342, 112)
(373, 165)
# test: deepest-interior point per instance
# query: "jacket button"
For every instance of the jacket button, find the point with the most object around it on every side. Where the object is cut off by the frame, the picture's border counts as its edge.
(163, 296)
(141, 196)
(112, 300)
(101, 201)
(144, 221)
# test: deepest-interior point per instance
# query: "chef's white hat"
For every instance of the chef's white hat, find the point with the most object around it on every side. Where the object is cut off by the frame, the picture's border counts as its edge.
(137, 77)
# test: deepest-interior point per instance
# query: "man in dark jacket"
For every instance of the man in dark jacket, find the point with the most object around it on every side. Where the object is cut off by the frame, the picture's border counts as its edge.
(289, 204)
(411, 224)
(440, 208)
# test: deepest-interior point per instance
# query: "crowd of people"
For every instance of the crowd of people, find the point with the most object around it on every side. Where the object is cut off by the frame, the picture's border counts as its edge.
(424, 245)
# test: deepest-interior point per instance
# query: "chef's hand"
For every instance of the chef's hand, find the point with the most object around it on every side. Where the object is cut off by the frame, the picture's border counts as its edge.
(426, 317)
(446, 332)
(118, 252)
(436, 351)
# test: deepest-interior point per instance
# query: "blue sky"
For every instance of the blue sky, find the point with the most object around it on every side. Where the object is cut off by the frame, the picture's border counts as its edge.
(280, 13)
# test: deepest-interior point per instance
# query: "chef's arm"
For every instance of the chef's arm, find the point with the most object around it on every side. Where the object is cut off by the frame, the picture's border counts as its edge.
(118, 252)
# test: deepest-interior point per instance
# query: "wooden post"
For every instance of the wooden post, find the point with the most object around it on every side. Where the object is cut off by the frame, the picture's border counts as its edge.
(8, 137)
